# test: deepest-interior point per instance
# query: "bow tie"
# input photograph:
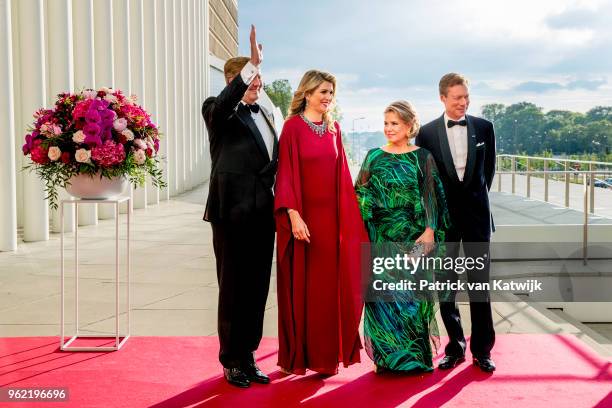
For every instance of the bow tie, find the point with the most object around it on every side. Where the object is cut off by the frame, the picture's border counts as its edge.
(253, 108)
(452, 123)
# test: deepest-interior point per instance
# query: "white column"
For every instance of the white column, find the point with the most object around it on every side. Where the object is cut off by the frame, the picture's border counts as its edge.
(33, 97)
(8, 180)
(198, 67)
(104, 66)
(162, 94)
(185, 94)
(181, 127)
(61, 71)
(84, 73)
(150, 57)
(206, 87)
(172, 129)
(189, 56)
(122, 60)
(137, 76)
(194, 94)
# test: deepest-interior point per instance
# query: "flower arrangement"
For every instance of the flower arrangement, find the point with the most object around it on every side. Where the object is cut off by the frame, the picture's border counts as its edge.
(93, 132)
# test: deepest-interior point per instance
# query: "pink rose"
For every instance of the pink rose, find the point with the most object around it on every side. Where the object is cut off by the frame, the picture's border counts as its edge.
(54, 153)
(110, 98)
(78, 137)
(89, 94)
(139, 143)
(128, 134)
(120, 124)
(83, 156)
(140, 156)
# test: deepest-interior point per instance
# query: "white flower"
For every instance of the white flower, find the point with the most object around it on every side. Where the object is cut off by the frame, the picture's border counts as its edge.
(78, 137)
(140, 144)
(83, 156)
(140, 156)
(129, 135)
(110, 98)
(106, 90)
(89, 94)
(120, 124)
(54, 153)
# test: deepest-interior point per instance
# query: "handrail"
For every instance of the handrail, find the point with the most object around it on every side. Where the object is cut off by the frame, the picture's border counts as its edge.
(588, 182)
(557, 159)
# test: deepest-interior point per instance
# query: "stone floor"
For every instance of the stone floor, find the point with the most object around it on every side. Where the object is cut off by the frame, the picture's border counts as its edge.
(173, 283)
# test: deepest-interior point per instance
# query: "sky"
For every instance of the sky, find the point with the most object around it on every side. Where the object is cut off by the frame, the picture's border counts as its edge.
(554, 53)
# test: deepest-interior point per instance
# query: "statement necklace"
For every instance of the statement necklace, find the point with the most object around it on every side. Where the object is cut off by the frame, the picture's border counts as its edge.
(318, 129)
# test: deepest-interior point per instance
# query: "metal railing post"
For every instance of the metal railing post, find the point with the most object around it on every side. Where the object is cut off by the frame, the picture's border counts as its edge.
(528, 180)
(585, 226)
(499, 176)
(513, 175)
(567, 184)
(545, 180)
(592, 192)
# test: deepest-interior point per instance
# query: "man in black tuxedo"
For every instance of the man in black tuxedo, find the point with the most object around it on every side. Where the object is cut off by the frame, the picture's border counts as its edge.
(463, 147)
(243, 149)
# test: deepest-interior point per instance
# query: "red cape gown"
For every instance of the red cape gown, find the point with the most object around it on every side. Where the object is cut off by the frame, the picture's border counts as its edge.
(318, 284)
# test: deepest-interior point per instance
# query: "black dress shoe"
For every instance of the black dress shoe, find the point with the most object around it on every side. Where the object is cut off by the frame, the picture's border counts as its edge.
(255, 374)
(449, 362)
(484, 363)
(237, 377)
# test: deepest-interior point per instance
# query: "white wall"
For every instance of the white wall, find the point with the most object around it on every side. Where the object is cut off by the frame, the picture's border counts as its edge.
(161, 72)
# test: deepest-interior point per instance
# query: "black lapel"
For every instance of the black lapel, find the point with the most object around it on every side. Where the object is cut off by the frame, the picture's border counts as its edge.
(245, 117)
(273, 129)
(471, 153)
(447, 156)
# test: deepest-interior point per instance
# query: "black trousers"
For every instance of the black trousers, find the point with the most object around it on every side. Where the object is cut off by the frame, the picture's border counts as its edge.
(244, 259)
(483, 331)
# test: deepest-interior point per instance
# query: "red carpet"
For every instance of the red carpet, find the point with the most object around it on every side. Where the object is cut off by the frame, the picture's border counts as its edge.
(533, 371)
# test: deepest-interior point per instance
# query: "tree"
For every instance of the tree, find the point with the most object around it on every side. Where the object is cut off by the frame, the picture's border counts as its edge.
(600, 113)
(336, 113)
(280, 93)
(523, 128)
(493, 111)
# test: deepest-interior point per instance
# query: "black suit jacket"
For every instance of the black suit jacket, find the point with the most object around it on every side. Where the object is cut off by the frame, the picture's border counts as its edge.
(242, 173)
(468, 200)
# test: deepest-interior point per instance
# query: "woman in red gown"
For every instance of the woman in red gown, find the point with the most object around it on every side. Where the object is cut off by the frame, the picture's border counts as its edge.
(320, 231)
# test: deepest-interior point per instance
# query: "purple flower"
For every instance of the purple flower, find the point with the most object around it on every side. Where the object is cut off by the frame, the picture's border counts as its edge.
(92, 116)
(92, 134)
(27, 147)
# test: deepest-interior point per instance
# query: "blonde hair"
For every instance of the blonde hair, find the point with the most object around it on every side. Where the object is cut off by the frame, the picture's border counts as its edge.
(407, 114)
(450, 80)
(232, 67)
(310, 82)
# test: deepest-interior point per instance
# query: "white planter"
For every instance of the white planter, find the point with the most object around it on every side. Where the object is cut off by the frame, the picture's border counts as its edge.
(95, 187)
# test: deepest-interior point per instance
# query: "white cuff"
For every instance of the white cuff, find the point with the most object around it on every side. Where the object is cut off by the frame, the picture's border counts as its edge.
(249, 72)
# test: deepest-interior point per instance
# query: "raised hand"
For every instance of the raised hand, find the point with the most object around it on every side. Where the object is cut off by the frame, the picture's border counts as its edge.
(256, 49)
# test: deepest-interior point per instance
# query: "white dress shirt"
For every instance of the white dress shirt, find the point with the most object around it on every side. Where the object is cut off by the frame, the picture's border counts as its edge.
(248, 74)
(457, 140)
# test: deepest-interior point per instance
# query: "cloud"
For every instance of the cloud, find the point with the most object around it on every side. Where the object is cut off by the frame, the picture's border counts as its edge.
(537, 87)
(574, 18)
(555, 53)
(586, 84)
(540, 87)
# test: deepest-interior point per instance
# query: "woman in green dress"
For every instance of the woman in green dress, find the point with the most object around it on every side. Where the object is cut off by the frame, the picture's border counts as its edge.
(403, 206)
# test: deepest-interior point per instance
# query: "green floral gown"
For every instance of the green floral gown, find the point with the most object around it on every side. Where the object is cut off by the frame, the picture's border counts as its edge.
(399, 196)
